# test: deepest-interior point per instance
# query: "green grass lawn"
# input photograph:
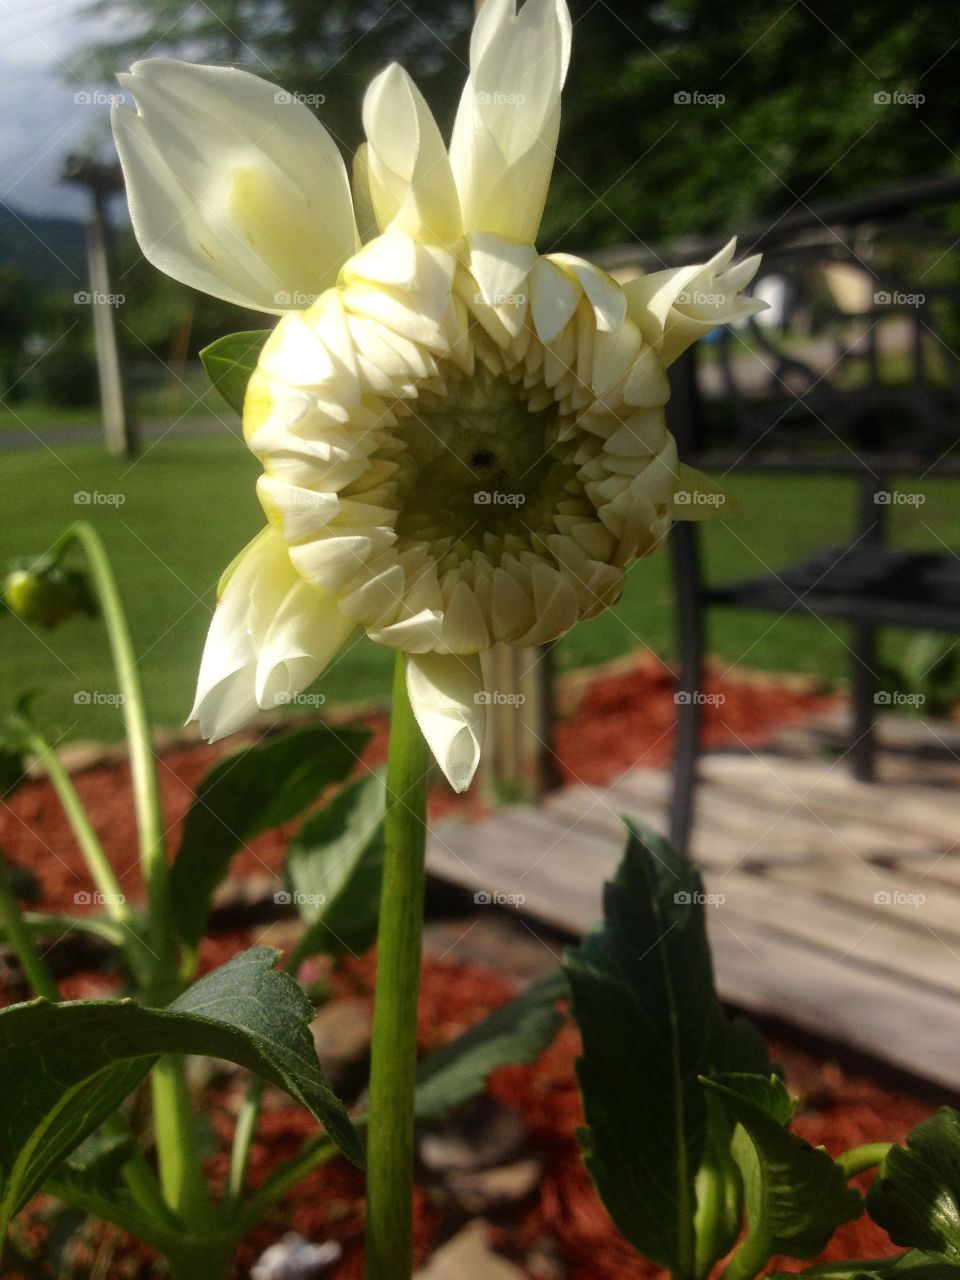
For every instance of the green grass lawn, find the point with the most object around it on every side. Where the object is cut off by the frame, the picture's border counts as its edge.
(191, 397)
(189, 506)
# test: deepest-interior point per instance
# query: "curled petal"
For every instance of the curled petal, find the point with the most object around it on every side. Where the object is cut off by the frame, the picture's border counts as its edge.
(270, 636)
(235, 188)
(411, 184)
(505, 134)
(446, 695)
(674, 308)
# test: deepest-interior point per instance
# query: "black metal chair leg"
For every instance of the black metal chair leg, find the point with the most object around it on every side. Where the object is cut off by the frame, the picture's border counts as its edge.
(863, 686)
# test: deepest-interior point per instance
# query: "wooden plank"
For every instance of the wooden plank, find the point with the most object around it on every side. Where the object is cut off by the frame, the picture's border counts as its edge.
(861, 936)
(892, 1019)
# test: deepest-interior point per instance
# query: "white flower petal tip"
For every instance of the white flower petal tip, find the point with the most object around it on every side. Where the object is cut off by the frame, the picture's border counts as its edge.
(446, 694)
(270, 636)
(411, 183)
(674, 308)
(234, 187)
(505, 134)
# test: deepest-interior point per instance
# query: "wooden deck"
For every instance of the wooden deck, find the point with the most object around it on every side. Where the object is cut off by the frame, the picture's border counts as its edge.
(837, 902)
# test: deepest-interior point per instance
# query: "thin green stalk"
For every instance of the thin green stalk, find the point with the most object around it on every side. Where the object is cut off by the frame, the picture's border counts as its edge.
(146, 791)
(22, 940)
(393, 1062)
(181, 1173)
(860, 1159)
(108, 886)
(243, 1139)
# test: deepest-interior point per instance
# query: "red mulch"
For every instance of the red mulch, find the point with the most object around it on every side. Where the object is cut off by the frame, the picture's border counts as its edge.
(622, 720)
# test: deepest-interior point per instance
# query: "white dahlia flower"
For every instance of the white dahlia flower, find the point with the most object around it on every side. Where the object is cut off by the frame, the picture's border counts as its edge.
(463, 442)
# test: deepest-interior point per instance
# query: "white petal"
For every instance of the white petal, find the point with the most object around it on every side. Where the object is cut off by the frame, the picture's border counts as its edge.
(252, 591)
(235, 188)
(411, 184)
(500, 267)
(306, 632)
(505, 134)
(607, 298)
(446, 694)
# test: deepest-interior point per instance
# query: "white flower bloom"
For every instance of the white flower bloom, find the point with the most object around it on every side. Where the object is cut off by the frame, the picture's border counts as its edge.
(463, 442)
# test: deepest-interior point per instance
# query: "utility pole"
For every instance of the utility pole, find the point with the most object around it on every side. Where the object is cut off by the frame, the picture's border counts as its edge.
(103, 181)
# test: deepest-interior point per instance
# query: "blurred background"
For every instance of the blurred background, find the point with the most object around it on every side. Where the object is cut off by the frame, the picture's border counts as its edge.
(680, 120)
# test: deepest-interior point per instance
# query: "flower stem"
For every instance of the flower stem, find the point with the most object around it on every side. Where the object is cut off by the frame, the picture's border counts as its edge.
(22, 941)
(389, 1231)
(150, 829)
(860, 1159)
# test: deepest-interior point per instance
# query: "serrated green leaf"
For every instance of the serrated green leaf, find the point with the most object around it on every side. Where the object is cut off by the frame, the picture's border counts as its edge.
(65, 1067)
(248, 793)
(333, 869)
(518, 1031)
(644, 999)
(796, 1195)
(915, 1196)
(230, 361)
(766, 1091)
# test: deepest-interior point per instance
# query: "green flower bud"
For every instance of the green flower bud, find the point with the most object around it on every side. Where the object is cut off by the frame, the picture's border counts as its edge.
(47, 594)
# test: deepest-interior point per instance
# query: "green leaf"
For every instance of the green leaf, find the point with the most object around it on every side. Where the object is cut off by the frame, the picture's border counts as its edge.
(766, 1091)
(65, 1067)
(230, 361)
(796, 1195)
(915, 1196)
(334, 867)
(913, 1265)
(644, 999)
(256, 789)
(518, 1031)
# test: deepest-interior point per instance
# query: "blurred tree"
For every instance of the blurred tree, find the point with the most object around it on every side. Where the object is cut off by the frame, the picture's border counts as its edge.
(800, 117)
(16, 321)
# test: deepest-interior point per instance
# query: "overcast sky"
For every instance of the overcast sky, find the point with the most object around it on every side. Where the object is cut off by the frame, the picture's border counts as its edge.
(40, 121)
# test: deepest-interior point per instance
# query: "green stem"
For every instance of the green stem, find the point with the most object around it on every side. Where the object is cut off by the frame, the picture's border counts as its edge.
(243, 1139)
(393, 1062)
(181, 1171)
(108, 886)
(146, 791)
(22, 940)
(860, 1159)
